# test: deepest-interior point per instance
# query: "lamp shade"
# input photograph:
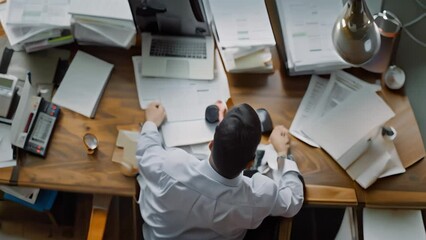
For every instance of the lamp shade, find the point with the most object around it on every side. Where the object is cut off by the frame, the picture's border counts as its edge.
(355, 35)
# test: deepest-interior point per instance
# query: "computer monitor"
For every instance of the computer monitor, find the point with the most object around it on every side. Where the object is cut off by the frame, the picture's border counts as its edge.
(171, 17)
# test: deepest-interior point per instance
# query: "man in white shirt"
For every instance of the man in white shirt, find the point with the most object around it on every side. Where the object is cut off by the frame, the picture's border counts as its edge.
(182, 197)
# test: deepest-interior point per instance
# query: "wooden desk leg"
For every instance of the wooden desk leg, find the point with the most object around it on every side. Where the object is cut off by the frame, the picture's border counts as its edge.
(98, 218)
(285, 229)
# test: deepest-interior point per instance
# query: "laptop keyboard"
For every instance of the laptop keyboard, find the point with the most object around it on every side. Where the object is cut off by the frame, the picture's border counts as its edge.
(178, 48)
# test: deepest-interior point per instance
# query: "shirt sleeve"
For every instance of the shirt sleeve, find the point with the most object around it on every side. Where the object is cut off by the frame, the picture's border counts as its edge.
(290, 194)
(150, 152)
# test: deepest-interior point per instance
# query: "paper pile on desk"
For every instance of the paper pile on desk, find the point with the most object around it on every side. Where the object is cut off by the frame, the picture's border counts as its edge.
(306, 30)
(243, 34)
(37, 25)
(103, 22)
(344, 116)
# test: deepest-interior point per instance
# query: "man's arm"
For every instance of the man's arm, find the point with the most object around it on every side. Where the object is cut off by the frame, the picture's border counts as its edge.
(287, 176)
(150, 150)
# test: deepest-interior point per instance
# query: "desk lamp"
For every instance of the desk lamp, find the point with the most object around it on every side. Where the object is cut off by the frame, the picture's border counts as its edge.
(355, 35)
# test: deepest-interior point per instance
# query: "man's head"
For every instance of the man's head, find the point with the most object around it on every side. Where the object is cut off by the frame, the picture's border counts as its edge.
(235, 140)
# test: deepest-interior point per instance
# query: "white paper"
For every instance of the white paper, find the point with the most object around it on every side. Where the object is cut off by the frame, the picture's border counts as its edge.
(307, 107)
(18, 35)
(118, 9)
(340, 86)
(306, 28)
(393, 224)
(371, 164)
(348, 227)
(321, 96)
(345, 130)
(110, 32)
(187, 132)
(247, 26)
(270, 155)
(184, 130)
(26, 194)
(128, 141)
(83, 84)
(38, 13)
(6, 152)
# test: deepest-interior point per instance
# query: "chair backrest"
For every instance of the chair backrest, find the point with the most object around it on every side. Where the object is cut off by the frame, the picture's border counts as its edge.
(44, 202)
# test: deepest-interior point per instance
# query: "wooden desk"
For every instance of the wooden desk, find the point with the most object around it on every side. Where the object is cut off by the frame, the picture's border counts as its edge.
(67, 167)
(407, 190)
(326, 182)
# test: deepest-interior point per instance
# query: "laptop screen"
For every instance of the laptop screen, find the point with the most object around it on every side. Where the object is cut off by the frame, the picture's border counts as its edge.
(170, 17)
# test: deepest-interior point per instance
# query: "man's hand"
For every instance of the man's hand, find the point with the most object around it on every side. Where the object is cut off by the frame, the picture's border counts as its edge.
(280, 139)
(222, 109)
(155, 113)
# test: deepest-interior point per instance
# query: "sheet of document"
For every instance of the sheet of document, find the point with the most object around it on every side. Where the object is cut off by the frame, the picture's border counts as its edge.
(242, 22)
(340, 86)
(83, 84)
(345, 130)
(371, 164)
(393, 224)
(309, 24)
(321, 96)
(6, 152)
(117, 9)
(179, 130)
(306, 108)
(186, 103)
(38, 13)
(306, 29)
(109, 32)
(18, 34)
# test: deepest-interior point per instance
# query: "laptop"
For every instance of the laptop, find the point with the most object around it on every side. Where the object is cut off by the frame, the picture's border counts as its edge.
(176, 40)
(177, 56)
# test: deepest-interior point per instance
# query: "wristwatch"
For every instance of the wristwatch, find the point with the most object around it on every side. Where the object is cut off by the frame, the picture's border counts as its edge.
(284, 157)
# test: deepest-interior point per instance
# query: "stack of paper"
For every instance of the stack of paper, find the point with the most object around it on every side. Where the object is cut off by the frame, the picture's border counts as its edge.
(345, 116)
(306, 29)
(37, 25)
(243, 34)
(83, 84)
(101, 22)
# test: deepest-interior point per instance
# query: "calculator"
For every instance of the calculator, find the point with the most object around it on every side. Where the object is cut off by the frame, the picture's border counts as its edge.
(40, 131)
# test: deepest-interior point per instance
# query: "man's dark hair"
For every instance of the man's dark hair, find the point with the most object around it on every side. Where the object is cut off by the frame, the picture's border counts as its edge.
(235, 140)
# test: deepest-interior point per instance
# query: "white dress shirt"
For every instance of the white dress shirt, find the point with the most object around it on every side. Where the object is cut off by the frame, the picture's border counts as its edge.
(184, 198)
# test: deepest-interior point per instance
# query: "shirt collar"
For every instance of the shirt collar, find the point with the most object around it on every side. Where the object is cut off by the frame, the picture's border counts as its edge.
(208, 170)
